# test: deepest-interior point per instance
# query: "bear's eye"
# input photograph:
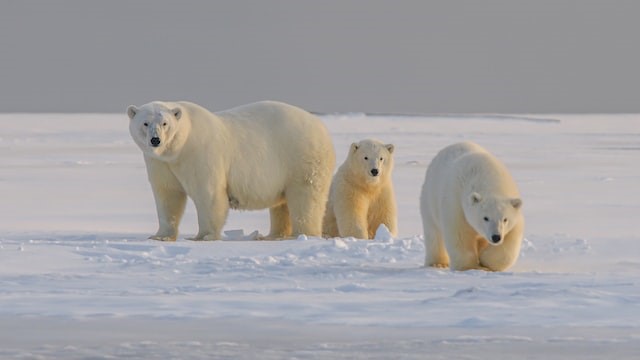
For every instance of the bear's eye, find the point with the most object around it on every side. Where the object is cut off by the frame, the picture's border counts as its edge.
(366, 158)
(164, 124)
(381, 159)
(486, 219)
(504, 220)
(146, 124)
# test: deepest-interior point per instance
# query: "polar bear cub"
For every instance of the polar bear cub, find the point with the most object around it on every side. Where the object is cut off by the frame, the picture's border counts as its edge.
(262, 155)
(471, 211)
(361, 195)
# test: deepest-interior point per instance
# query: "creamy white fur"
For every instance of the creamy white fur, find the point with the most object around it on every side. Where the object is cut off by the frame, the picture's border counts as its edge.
(468, 198)
(262, 155)
(359, 202)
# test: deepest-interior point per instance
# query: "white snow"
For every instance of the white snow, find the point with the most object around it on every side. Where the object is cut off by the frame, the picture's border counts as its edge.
(79, 279)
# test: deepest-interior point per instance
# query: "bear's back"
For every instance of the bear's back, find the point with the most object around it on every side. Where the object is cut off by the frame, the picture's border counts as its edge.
(277, 123)
(267, 114)
(464, 167)
(444, 170)
(479, 170)
(450, 154)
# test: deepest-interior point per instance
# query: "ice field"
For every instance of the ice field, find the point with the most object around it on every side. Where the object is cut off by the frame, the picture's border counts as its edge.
(79, 279)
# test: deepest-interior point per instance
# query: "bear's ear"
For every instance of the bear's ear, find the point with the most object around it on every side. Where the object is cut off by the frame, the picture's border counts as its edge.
(132, 110)
(475, 198)
(177, 112)
(516, 203)
(390, 148)
(354, 147)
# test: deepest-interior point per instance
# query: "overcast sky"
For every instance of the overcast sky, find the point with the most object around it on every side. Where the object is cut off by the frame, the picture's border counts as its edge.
(392, 56)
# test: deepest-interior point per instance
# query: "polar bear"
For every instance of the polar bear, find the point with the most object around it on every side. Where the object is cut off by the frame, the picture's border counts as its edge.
(471, 211)
(262, 155)
(361, 195)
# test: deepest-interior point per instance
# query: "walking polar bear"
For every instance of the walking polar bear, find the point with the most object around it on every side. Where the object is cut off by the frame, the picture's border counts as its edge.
(262, 155)
(471, 211)
(361, 196)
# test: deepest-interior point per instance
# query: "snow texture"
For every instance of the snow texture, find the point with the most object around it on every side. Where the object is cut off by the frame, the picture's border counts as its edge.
(79, 279)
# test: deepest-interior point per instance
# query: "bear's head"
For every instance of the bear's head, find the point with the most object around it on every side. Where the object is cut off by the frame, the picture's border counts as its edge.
(492, 217)
(371, 160)
(154, 126)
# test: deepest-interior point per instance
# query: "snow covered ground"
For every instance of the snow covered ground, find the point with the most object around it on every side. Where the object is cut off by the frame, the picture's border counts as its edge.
(79, 279)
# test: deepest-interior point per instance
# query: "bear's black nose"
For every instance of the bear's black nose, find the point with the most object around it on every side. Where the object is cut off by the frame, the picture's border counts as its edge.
(374, 172)
(155, 141)
(495, 238)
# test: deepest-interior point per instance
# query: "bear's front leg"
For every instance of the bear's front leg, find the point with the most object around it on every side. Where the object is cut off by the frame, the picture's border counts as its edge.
(435, 252)
(383, 211)
(351, 217)
(503, 256)
(462, 248)
(212, 214)
(170, 207)
(170, 199)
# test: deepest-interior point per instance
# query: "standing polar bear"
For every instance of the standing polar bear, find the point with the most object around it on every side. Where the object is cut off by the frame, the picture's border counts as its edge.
(262, 155)
(361, 196)
(471, 211)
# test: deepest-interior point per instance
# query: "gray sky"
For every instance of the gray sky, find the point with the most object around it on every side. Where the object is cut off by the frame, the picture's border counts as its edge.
(450, 56)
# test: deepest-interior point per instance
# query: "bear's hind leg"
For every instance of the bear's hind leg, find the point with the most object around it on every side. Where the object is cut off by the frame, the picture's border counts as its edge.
(280, 222)
(212, 213)
(306, 207)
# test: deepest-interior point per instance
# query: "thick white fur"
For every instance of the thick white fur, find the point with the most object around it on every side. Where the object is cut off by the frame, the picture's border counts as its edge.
(359, 202)
(464, 187)
(262, 155)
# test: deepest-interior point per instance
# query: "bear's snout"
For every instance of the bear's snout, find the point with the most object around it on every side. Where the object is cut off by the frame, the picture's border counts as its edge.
(496, 238)
(374, 172)
(155, 141)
